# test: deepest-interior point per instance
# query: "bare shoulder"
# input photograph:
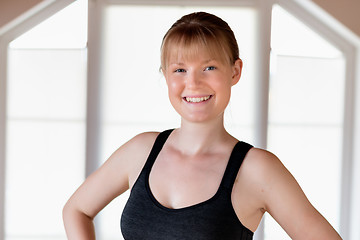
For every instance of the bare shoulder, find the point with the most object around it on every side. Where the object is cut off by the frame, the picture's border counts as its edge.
(137, 146)
(258, 171)
(270, 174)
(261, 164)
(278, 193)
(141, 143)
(136, 151)
(113, 177)
(261, 157)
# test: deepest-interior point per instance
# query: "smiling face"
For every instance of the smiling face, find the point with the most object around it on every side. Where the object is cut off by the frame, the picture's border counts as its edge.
(200, 61)
(199, 85)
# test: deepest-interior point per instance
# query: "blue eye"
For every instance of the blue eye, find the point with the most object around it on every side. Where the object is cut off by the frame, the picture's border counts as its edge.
(210, 68)
(180, 70)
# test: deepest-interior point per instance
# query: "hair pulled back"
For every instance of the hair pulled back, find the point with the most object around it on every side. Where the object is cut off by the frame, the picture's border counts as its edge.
(198, 31)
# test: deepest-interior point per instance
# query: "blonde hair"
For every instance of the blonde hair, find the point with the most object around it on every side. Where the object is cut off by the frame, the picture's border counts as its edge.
(198, 31)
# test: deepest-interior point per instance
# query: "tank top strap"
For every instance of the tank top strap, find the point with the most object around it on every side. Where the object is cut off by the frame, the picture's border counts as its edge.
(236, 158)
(158, 144)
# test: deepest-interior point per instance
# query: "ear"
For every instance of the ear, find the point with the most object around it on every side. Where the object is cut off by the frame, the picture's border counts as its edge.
(237, 68)
(163, 72)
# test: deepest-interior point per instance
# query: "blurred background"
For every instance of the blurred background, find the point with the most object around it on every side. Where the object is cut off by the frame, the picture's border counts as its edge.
(79, 78)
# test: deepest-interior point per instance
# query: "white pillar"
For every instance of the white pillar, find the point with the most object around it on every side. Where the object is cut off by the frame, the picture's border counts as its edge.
(94, 90)
(3, 76)
(354, 222)
(262, 83)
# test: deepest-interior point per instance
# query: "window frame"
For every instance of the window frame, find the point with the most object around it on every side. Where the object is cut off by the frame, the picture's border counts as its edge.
(20, 25)
(309, 15)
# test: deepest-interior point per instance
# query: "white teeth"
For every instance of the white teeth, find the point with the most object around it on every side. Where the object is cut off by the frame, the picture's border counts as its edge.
(197, 99)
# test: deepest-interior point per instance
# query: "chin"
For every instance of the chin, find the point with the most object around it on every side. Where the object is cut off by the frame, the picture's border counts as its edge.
(197, 119)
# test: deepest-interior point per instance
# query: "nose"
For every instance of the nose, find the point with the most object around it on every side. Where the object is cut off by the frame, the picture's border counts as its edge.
(193, 80)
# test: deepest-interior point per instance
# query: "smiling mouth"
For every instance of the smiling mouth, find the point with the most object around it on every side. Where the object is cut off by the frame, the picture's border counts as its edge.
(197, 99)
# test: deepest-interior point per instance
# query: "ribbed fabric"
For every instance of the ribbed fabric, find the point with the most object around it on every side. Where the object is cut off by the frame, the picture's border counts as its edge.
(214, 219)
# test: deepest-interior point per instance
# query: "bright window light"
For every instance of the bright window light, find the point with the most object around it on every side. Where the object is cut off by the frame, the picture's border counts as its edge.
(46, 117)
(289, 36)
(45, 144)
(65, 29)
(306, 114)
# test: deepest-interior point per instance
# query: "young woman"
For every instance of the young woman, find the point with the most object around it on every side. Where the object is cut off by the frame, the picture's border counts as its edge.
(197, 181)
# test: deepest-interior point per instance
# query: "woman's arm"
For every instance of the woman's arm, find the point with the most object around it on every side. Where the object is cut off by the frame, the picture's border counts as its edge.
(284, 199)
(77, 224)
(112, 179)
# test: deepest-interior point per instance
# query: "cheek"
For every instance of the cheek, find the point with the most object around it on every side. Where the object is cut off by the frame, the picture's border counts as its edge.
(174, 94)
(174, 87)
(223, 90)
(222, 85)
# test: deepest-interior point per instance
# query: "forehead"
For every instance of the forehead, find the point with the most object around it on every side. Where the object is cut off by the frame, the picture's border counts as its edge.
(195, 51)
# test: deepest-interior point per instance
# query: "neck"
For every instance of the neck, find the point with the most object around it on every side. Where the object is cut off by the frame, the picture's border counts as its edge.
(201, 137)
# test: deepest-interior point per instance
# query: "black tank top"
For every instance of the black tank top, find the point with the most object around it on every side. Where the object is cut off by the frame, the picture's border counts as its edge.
(214, 219)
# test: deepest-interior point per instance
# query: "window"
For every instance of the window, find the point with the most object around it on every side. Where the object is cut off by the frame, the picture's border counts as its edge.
(45, 124)
(46, 104)
(306, 113)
